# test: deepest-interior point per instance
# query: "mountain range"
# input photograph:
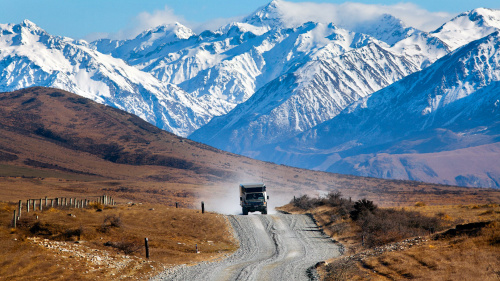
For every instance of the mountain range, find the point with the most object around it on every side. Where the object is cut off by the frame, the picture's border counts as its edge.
(439, 124)
(314, 95)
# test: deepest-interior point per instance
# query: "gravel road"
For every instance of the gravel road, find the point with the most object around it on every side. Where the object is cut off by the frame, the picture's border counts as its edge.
(272, 247)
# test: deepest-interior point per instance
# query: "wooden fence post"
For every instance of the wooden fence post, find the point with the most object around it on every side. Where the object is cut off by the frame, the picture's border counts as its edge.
(34, 205)
(176, 205)
(202, 207)
(20, 207)
(45, 201)
(146, 244)
(14, 222)
(40, 205)
(28, 206)
(52, 203)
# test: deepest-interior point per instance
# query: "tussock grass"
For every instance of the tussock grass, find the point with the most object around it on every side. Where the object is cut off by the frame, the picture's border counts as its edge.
(459, 258)
(473, 255)
(172, 234)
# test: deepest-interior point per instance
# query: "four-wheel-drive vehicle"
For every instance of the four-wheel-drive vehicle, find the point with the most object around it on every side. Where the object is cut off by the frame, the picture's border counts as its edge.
(253, 198)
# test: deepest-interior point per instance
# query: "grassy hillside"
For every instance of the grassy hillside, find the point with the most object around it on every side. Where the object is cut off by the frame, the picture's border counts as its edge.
(420, 242)
(54, 142)
(57, 144)
(83, 244)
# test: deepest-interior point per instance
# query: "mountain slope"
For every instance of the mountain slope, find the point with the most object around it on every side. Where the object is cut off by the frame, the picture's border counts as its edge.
(55, 142)
(297, 102)
(469, 26)
(328, 69)
(449, 110)
(32, 57)
(223, 69)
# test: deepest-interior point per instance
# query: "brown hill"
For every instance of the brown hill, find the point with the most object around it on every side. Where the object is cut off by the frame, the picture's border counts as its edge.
(54, 143)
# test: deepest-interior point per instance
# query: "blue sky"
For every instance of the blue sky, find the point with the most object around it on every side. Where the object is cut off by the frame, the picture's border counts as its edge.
(124, 18)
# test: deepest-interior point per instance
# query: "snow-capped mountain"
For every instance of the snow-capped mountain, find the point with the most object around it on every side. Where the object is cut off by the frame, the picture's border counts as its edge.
(332, 67)
(386, 28)
(336, 68)
(228, 66)
(318, 90)
(440, 125)
(148, 42)
(29, 56)
(263, 81)
(300, 100)
(469, 26)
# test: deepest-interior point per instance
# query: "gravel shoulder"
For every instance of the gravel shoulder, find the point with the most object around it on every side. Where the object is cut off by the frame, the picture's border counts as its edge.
(272, 247)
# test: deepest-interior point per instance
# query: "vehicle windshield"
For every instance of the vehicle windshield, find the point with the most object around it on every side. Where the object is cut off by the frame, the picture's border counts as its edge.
(253, 196)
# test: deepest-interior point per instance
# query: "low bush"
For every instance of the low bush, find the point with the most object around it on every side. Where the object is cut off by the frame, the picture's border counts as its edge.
(361, 208)
(111, 221)
(128, 247)
(382, 226)
(305, 202)
(377, 226)
(341, 269)
(332, 199)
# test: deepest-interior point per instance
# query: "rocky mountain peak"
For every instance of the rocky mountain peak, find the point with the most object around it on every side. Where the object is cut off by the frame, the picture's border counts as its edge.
(469, 26)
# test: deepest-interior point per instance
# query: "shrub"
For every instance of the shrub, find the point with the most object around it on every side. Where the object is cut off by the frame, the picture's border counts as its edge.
(343, 269)
(304, 202)
(362, 208)
(68, 234)
(128, 247)
(332, 199)
(339, 228)
(380, 227)
(111, 221)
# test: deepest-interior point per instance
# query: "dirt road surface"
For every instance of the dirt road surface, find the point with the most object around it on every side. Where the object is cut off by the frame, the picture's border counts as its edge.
(272, 247)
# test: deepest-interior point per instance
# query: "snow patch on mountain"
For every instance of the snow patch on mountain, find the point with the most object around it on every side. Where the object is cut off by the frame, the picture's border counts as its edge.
(469, 26)
(447, 110)
(31, 57)
(386, 28)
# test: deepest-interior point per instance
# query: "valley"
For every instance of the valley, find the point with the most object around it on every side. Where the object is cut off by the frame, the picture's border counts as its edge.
(57, 144)
(379, 144)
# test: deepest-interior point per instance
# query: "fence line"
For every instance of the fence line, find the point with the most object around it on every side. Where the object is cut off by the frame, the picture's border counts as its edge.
(60, 202)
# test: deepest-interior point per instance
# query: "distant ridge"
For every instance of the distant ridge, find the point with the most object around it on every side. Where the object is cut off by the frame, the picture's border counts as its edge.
(72, 144)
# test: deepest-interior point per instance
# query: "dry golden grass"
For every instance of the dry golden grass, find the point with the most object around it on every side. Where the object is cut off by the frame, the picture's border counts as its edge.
(172, 234)
(458, 214)
(447, 258)
(459, 258)
(455, 258)
(61, 142)
(56, 144)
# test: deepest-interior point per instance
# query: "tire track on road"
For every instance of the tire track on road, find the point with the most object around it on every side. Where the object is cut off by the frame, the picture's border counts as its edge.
(272, 247)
